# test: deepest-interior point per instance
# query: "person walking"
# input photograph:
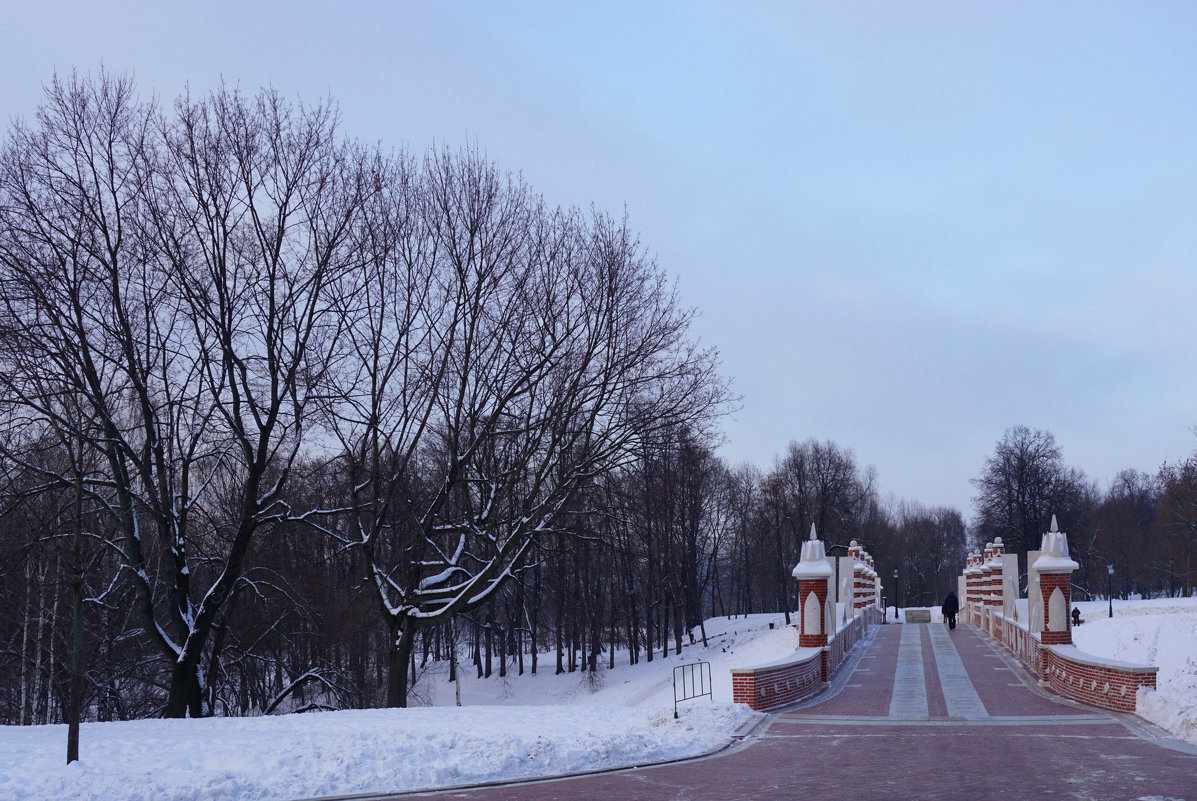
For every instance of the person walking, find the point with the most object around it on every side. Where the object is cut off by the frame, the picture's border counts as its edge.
(950, 607)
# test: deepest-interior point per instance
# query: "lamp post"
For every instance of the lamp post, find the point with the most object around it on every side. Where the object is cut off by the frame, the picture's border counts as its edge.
(1110, 586)
(895, 595)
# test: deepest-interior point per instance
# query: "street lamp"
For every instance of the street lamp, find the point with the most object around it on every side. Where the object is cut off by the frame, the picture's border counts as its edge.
(895, 595)
(1110, 586)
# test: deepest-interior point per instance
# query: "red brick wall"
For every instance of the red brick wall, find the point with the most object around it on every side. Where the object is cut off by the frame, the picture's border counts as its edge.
(860, 590)
(1109, 686)
(778, 685)
(805, 588)
(1048, 582)
(767, 688)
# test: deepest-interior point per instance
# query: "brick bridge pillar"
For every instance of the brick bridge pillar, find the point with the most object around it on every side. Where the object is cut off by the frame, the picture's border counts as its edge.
(813, 573)
(1055, 567)
(972, 575)
(993, 567)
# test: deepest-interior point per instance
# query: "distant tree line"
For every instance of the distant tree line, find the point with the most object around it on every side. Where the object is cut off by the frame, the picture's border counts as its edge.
(1144, 525)
(286, 419)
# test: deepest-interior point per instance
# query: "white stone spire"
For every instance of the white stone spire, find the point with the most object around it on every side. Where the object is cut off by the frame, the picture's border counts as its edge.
(1054, 557)
(814, 562)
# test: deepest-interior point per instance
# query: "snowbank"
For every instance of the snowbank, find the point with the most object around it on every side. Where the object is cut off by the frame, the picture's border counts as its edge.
(512, 728)
(360, 751)
(1160, 632)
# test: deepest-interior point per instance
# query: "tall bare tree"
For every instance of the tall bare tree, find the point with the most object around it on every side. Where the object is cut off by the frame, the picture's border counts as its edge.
(173, 273)
(1021, 485)
(503, 355)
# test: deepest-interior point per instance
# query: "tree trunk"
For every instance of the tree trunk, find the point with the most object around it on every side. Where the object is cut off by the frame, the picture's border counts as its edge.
(456, 675)
(665, 628)
(23, 715)
(477, 649)
(501, 640)
(401, 651)
(489, 637)
(611, 654)
(186, 690)
(48, 715)
(76, 693)
(35, 699)
(519, 649)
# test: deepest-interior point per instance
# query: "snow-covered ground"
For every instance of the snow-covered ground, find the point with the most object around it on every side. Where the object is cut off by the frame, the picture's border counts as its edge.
(320, 754)
(1160, 632)
(517, 727)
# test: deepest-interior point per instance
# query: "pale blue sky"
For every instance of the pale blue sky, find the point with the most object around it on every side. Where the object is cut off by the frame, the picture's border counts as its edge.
(908, 226)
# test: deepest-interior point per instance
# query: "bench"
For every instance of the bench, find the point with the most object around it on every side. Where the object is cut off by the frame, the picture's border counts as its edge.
(918, 615)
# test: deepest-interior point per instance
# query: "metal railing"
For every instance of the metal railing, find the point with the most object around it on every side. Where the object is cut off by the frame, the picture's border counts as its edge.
(695, 683)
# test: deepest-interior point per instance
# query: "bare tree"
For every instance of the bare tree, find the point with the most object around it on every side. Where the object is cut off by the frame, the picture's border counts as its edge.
(929, 546)
(1021, 485)
(173, 273)
(1176, 520)
(504, 355)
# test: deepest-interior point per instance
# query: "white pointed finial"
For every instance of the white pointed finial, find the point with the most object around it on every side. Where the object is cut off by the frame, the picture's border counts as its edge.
(1054, 527)
(814, 562)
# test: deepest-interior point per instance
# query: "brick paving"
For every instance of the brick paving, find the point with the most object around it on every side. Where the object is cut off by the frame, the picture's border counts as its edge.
(1014, 744)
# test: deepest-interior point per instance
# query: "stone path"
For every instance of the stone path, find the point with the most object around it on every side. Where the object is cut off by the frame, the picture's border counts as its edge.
(917, 713)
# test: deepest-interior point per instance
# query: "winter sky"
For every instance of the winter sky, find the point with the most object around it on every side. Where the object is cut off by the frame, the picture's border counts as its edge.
(908, 226)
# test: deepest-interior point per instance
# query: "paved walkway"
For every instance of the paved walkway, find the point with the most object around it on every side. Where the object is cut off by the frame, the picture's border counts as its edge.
(917, 713)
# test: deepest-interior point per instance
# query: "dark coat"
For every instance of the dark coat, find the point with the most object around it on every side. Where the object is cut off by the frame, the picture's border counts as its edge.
(950, 605)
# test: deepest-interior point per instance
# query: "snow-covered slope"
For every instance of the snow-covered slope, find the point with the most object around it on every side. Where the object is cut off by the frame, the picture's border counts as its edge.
(1160, 632)
(517, 727)
(740, 642)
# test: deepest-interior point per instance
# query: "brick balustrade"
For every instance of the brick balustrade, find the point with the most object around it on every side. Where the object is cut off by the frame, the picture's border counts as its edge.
(770, 686)
(1093, 680)
(1073, 673)
(1049, 653)
(801, 676)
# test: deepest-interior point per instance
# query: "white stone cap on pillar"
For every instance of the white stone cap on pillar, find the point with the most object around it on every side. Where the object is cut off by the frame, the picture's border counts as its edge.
(862, 558)
(995, 556)
(814, 562)
(1054, 557)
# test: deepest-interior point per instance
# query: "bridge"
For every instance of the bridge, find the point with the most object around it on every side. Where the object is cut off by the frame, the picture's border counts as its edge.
(992, 709)
(921, 713)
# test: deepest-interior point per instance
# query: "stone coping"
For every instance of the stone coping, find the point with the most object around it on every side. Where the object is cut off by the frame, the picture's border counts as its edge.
(1022, 624)
(1074, 654)
(800, 656)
